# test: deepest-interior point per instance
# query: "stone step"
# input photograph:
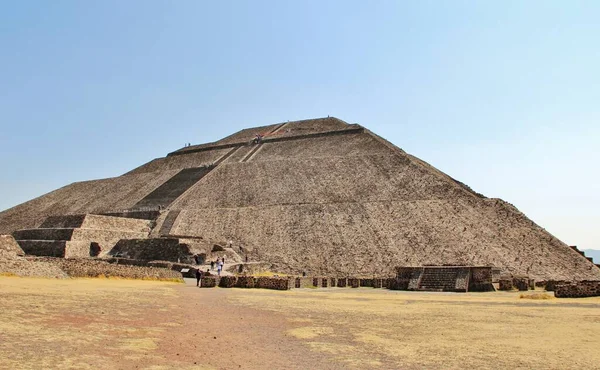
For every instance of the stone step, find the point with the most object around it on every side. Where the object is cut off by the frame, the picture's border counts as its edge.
(89, 221)
(438, 279)
(171, 189)
(75, 234)
(99, 235)
(57, 248)
(44, 234)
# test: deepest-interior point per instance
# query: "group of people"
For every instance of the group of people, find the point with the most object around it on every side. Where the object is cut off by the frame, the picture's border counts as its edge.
(219, 264)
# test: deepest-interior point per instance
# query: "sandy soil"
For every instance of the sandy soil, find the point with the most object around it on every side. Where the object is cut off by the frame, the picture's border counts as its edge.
(125, 324)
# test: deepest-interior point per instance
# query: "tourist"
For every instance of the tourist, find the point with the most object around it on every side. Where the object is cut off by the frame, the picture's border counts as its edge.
(212, 265)
(223, 260)
(219, 267)
(198, 277)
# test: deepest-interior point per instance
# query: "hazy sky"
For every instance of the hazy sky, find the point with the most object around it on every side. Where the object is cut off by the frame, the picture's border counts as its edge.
(504, 96)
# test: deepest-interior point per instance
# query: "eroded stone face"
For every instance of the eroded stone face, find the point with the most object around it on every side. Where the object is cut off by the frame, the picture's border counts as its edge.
(579, 289)
(317, 196)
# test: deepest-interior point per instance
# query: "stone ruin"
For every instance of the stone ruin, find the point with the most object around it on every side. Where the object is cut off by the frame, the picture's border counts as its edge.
(444, 279)
(319, 196)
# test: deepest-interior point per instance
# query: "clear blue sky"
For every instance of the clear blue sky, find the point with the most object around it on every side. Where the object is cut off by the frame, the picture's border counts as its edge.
(504, 96)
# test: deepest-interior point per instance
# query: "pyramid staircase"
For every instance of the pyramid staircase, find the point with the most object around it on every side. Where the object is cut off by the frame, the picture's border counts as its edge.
(79, 235)
(165, 194)
(438, 279)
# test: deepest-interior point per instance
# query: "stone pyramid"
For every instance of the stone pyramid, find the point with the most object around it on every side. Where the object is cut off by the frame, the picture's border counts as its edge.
(320, 196)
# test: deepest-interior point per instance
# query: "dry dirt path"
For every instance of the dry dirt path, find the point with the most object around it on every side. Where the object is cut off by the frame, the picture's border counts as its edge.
(126, 324)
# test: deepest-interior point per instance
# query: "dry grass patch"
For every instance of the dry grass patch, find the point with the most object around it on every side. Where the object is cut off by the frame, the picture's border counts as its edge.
(536, 296)
(430, 330)
(79, 323)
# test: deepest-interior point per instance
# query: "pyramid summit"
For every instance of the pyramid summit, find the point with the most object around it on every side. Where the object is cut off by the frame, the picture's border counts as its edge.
(320, 196)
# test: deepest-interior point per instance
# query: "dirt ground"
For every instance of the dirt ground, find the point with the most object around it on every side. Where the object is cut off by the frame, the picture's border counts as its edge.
(126, 324)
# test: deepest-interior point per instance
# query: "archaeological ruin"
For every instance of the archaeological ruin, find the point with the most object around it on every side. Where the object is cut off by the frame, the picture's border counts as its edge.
(320, 198)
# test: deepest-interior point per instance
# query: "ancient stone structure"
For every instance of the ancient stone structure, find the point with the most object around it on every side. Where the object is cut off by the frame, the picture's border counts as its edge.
(444, 279)
(320, 196)
(579, 289)
(72, 236)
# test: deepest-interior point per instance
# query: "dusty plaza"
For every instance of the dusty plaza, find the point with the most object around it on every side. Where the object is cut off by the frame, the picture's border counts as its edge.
(126, 324)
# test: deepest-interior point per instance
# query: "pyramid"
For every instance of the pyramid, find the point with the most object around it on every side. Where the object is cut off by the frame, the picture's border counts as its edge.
(319, 196)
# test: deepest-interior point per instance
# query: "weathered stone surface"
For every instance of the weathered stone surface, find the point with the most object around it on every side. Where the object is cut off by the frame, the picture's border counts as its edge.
(480, 279)
(579, 289)
(227, 281)
(209, 282)
(551, 284)
(521, 283)
(442, 278)
(306, 197)
(505, 284)
(87, 267)
(274, 283)
(245, 282)
(163, 249)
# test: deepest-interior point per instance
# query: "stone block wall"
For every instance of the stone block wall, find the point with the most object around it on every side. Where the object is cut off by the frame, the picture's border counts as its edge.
(463, 280)
(245, 282)
(366, 282)
(162, 249)
(66, 221)
(227, 281)
(209, 282)
(521, 283)
(551, 284)
(446, 278)
(415, 278)
(481, 279)
(306, 282)
(86, 267)
(274, 283)
(579, 289)
(55, 248)
(505, 284)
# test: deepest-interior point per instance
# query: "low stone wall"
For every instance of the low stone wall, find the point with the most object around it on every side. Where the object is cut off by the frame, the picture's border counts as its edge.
(367, 283)
(551, 284)
(209, 282)
(227, 281)
(96, 268)
(178, 267)
(332, 282)
(274, 283)
(377, 283)
(521, 283)
(163, 249)
(505, 284)
(579, 289)
(481, 279)
(306, 282)
(245, 282)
